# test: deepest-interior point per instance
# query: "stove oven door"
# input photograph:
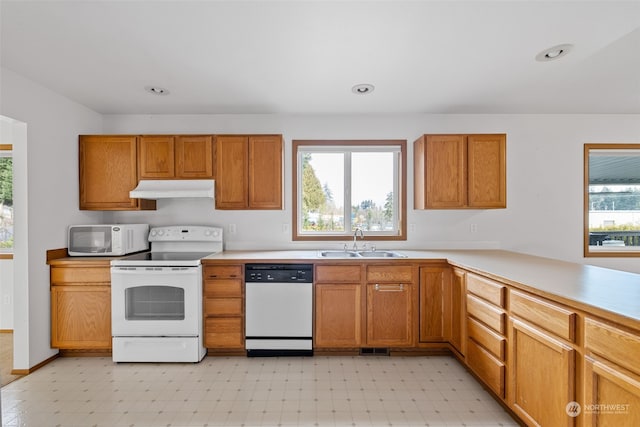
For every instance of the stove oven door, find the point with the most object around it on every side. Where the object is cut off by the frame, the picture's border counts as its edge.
(156, 301)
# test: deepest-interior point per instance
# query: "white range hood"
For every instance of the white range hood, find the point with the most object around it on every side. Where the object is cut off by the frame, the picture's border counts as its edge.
(173, 188)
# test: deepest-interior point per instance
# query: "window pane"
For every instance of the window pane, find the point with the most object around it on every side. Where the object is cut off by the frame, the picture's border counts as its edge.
(372, 186)
(614, 215)
(323, 186)
(6, 201)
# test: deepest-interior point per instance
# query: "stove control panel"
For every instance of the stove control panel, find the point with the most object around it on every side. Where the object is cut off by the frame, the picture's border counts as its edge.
(189, 233)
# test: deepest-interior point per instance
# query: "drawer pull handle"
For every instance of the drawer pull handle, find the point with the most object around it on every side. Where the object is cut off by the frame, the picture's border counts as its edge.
(389, 288)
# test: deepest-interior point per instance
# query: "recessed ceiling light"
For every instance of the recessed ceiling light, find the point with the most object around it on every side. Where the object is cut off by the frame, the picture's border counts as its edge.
(156, 90)
(554, 52)
(362, 89)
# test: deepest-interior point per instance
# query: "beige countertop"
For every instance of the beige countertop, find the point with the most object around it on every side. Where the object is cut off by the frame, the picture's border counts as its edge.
(594, 289)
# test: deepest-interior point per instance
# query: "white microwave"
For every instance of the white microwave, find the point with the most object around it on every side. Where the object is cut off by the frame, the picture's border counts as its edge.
(107, 239)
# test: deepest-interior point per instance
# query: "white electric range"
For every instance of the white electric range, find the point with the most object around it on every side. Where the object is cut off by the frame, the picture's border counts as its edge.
(156, 297)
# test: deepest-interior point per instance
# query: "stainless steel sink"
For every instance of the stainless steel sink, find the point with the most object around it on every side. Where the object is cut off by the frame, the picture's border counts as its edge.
(381, 254)
(359, 254)
(338, 254)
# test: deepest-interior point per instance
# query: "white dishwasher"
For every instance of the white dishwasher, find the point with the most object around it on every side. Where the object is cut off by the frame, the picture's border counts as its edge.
(279, 309)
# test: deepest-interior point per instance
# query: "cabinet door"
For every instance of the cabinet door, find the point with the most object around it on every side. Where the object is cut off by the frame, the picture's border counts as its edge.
(224, 333)
(445, 171)
(81, 317)
(338, 315)
(486, 162)
(612, 395)
(231, 172)
(108, 172)
(542, 377)
(194, 156)
(265, 172)
(458, 311)
(156, 156)
(435, 303)
(389, 315)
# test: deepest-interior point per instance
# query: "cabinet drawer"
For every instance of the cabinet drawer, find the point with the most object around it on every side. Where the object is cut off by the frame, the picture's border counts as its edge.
(222, 306)
(486, 289)
(223, 333)
(551, 317)
(67, 275)
(485, 366)
(223, 272)
(486, 313)
(386, 273)
(223, 288)
(616, 345)
(484, 336)
(338, 274)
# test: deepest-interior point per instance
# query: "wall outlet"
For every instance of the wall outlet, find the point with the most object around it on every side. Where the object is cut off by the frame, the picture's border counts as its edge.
(473, 228)
(7, 299)
(232, 229)
(412, 228)
(285, 227)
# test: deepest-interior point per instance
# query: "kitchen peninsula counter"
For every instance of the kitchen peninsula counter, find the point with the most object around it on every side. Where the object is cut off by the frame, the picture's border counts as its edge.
(597, 290)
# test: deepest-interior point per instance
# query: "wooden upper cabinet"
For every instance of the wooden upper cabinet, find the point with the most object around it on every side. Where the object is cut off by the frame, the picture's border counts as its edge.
(460, 171)
(265, 172)
(156, 156)
(194, 156)
(486, 171)
(232, 171)
(170, 157)
(108, 172)
(249, 172)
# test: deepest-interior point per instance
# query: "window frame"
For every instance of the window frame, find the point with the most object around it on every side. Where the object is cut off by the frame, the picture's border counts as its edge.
(588, 253)
(402, 189)
(7, 253)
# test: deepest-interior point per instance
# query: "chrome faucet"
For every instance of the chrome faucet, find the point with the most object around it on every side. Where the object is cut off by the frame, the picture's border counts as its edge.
(355, 236)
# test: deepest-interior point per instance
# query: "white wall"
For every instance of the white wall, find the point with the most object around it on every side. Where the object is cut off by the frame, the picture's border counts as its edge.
(544, 178)
(45, 200)
(6, 294)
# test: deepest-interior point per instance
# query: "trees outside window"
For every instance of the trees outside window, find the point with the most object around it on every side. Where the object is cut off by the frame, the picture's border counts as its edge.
(6, 198)
(342, 186)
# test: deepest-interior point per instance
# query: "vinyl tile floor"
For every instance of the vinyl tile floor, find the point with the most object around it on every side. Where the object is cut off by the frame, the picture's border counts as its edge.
(240, 391)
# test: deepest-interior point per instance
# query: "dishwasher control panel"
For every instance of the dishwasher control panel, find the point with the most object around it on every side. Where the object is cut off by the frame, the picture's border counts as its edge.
(278, 273)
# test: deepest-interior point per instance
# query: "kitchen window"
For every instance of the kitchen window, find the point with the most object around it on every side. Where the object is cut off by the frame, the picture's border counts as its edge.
(6, 199)
(344, 185)
(612, 200)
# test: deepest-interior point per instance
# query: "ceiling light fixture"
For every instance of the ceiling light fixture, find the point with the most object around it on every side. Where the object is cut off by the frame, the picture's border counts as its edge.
(554, 52)
(362, 89)
(156, 90)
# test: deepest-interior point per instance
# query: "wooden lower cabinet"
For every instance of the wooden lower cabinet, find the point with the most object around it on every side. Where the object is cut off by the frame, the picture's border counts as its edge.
(390, 305)
(338, 306)
(490, 369)
(338, 315)
(611, 375)
(542, 376)
(81, 317)
(80, 305)
(612, 395)
(389, 315)
(458, 310)
(223, 307)
(435, 304)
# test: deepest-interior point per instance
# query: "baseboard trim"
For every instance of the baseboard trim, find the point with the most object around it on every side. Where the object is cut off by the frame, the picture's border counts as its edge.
(34, 368)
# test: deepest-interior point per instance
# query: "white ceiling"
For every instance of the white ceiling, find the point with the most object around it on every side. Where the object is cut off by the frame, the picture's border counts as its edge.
(304, 56)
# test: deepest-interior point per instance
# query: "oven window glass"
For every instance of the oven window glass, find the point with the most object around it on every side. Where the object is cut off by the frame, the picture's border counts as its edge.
(154, 303)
